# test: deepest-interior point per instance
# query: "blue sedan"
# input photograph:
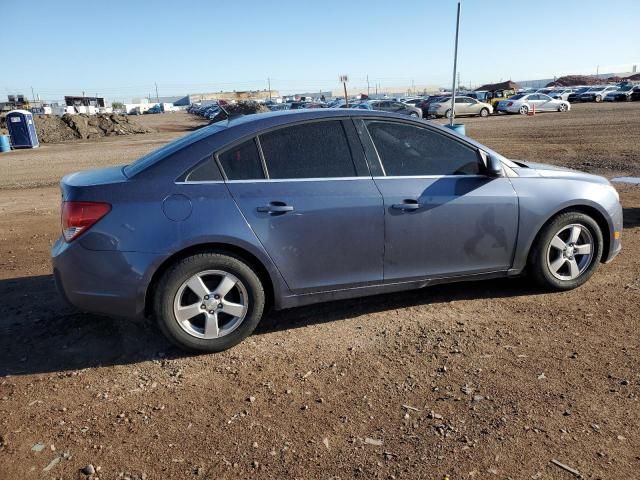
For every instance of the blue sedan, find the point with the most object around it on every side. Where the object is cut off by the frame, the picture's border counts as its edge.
(284, 209)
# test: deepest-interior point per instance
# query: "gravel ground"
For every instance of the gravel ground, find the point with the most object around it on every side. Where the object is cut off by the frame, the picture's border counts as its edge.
(478, 380)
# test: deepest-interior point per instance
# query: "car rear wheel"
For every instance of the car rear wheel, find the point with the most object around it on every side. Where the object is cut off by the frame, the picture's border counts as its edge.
(523, 110)
(598, 98)
(484, 112)
(567, 251)
(209, 302)
(447, 114)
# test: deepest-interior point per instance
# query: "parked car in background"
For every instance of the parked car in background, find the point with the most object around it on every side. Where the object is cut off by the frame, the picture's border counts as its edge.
(561, 93)
(575, 95)
(285, 210)
(424, 105)
(480, 95)
(523, 104)
(635, 95)
(464, 106)
(622, 94)
(391, 107)
(413, 101)
(597, 94)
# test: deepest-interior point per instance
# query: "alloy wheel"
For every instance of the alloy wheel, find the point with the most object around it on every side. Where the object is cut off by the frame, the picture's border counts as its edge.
(524, 110)
(570, 252)
(211, 304)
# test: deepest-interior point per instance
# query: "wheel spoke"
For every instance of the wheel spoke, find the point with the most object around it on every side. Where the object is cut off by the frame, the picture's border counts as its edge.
(211, 325)
(235, 309)
(558, 243)
(198, 287)
(225, 286)
(558, 263)
(583, 249)
(186, 313)
(575, 233)
(574, 270)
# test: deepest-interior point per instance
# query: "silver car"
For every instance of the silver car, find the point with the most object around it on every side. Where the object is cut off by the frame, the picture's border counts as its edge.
(538, 102)
(464, 106)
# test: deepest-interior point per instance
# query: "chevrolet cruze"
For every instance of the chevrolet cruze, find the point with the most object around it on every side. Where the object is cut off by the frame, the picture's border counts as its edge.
(286, 209)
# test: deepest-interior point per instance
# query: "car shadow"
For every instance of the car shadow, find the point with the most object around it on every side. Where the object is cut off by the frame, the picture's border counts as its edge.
(39, 333)
(631, 217)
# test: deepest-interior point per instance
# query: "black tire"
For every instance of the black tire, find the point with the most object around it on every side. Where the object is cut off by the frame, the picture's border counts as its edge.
(447, 114)
(524, 110)
(184, 269)
(538, 258)
(598, 98)
(484, 112)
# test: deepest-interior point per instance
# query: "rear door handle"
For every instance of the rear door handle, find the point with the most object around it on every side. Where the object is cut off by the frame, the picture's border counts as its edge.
(276, 208)
(407, 205)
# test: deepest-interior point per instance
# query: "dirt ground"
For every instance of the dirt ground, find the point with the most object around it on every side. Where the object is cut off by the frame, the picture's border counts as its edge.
(471, 381)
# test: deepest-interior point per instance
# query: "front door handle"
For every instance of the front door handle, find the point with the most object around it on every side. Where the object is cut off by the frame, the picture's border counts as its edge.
(276, 207)
(408, 205)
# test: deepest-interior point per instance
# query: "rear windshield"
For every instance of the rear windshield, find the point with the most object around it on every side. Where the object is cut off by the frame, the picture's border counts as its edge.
(153, 157)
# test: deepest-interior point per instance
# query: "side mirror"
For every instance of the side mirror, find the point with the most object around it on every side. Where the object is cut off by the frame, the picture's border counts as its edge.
(493, 165)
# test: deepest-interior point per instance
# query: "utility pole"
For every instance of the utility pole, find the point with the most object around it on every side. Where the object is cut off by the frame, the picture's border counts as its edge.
(455, 66)
(269, 82)
(344, 79)
(598, 71)
(458, 80)
(367, 85)
(157, 96)
(33, 95)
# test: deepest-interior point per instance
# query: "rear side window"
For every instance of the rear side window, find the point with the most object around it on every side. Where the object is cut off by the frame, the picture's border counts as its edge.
(407, 150)
(242, 162)
(207, 171)
(310, 150)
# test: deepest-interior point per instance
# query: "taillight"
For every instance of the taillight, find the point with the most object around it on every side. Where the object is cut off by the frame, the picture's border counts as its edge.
(78, 217)
(509, 104)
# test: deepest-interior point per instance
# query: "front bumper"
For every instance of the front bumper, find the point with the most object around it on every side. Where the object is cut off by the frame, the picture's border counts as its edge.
(106, 282)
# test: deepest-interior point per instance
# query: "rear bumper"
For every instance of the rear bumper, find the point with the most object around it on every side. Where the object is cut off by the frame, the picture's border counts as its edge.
(105, 282)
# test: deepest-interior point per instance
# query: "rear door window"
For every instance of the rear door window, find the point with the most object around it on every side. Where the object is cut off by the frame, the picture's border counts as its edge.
(407, 150)
(309, 150)
(242, 162)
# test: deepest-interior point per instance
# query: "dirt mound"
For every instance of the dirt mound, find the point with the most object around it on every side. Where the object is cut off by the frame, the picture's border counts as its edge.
(573, 80)
(508, 85)
(241, 108)
(53, 129)
(633, 77)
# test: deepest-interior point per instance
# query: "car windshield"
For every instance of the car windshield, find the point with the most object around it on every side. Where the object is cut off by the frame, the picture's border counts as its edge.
(517, 97)
(625, 88)
(153, 157)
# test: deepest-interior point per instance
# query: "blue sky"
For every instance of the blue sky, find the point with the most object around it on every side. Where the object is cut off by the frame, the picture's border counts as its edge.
(120, 48)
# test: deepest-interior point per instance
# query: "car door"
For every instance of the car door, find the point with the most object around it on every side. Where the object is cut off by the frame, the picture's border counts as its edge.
(443, 216)
(312, 203)
(462, 107)
(546, 103)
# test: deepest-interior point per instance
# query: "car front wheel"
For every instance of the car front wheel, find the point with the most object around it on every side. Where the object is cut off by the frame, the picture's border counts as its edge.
(209, 302)
(484, 112)
(562, 108)
(567, 251)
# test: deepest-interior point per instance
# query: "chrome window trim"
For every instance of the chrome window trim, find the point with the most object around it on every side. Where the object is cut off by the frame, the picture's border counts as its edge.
(277, 180)
(408, 177)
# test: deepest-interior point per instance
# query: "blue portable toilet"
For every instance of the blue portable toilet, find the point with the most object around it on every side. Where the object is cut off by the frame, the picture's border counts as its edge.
(22, 129)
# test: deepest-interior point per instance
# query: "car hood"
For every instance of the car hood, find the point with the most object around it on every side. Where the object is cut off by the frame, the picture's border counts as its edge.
(554, 171)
